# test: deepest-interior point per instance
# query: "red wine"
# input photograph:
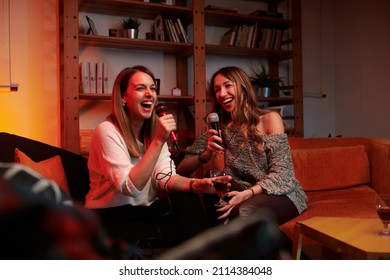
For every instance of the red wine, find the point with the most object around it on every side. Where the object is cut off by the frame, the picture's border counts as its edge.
(384, 213)
(220, 186)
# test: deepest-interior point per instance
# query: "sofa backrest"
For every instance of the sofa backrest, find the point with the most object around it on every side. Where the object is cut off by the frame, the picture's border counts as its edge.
(322, 164)
(75, 166)
(331, 167)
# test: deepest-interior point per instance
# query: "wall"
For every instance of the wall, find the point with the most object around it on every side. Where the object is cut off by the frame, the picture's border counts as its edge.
(345, 48)
(361, 67)
(317, 68)
(33, 111)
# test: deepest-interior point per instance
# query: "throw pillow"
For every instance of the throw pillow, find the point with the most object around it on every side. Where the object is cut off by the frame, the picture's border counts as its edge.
(331, 168)
(50, 168)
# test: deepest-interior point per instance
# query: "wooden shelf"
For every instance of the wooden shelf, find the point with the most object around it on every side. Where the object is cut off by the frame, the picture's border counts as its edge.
(165, 98)
(276, 55)
(180, 49)
(226, 19)
(195, 17)
(129, 8)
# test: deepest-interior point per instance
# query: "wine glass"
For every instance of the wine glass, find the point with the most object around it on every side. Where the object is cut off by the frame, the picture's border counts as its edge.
(382, 203)
(220, 185)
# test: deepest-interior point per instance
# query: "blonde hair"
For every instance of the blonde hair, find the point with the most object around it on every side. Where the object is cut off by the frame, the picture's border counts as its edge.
(120, 117)
(246, 112)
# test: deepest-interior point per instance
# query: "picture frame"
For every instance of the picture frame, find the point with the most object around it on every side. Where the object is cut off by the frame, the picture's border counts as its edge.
(92, 28)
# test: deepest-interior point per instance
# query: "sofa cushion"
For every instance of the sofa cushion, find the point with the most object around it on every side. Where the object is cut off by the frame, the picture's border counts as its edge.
(75, 166)
(331, 168)
(50, 168)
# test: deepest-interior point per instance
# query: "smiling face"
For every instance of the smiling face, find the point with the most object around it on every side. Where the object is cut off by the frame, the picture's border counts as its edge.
(140, 97)
(225, 92)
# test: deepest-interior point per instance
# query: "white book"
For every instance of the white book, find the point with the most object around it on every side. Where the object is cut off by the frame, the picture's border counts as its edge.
(99, 77)
(84, 77)
(173, 31)
(92, 76)
(105, 78)
(183, 31)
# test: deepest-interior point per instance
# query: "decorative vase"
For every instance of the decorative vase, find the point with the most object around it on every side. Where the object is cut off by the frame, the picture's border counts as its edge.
(264, 91)
(131, 33)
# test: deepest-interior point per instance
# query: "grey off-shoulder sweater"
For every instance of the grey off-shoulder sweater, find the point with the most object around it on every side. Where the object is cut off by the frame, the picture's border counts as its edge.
(271, 168)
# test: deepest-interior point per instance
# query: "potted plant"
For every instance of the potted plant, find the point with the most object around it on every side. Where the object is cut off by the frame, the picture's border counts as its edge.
(264, 82)
(131, 26)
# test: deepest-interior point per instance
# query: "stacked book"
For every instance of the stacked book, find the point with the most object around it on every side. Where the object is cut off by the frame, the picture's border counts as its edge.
(93, 77)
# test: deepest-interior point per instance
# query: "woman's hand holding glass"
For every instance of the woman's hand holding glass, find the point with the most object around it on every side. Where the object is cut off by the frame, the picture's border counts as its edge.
(221, 185)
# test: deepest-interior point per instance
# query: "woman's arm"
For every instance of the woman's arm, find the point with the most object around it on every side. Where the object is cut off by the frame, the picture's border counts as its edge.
(200, 152)
(179, 183)
(143, 170)
(280, 177)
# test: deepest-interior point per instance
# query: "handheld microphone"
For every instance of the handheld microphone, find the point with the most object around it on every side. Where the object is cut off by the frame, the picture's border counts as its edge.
(162, 110)
(213, 122)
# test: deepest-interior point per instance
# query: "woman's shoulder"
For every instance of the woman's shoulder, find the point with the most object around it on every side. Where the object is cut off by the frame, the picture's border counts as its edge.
(272, 123)
(105, 125)
(105, 129)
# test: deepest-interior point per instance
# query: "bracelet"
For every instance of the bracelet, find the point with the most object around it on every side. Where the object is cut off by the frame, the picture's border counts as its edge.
(253, 192)
(203, 159)
(191, 183)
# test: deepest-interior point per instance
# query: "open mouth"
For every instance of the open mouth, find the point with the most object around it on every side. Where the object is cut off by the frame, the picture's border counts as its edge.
(147, 104)
(227, 100)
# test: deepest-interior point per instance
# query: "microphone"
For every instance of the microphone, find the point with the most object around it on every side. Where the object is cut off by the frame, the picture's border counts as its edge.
(162, 110)
(213, 122)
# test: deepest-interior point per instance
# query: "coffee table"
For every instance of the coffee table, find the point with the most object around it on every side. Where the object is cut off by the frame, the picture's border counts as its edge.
(352, 238)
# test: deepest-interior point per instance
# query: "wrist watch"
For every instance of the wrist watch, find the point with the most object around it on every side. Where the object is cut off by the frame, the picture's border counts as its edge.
(202, 159)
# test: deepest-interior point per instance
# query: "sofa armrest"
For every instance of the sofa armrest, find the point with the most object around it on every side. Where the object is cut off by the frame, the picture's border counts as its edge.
(75, 166)
(379, 157)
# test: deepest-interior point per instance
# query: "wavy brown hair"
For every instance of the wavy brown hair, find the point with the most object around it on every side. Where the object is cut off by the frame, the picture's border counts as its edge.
(247, 112)
(120, 117)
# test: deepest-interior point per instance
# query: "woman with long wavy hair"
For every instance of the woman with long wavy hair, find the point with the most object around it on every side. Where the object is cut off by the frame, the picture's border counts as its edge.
(256, 151)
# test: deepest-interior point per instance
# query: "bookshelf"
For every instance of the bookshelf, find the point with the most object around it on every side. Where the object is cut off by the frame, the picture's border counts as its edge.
(196, 51)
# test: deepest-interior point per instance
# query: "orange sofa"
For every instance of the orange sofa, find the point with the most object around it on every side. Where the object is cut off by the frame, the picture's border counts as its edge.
(340, 176)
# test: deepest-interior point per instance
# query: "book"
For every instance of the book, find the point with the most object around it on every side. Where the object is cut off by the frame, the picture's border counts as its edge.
(278, 39)
(243, 36)
(221, 8)
(105, 77)
(186, 40)
(84, 77)
(249, 38)
(262, 13)
(229, 37)
(238, 35)
(92, 77)
(167, 33)
(255, 36)
(270, 38)
(173, 31)
(99, 77)
(178, 31)
(263, 39)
